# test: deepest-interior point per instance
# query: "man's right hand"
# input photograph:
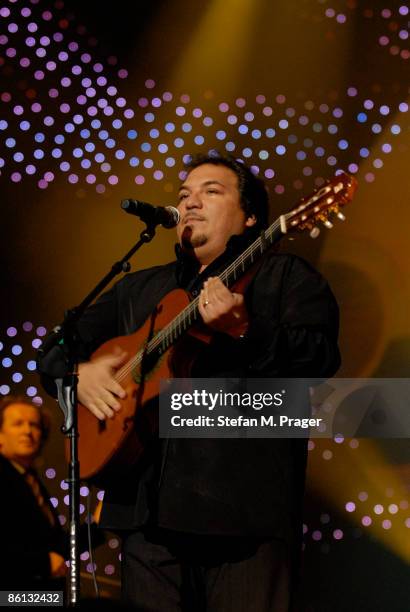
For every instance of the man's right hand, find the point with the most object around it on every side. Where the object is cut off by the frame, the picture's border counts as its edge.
(58, 568)
(97, 388)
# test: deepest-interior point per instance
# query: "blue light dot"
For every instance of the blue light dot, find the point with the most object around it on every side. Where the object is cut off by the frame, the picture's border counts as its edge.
(343, 144)
(146, 147)
(17, 377)
(280, 150)
(64, 166)
(186, 127)
(25, 125)
(38, 154)
(169, 127)
(154, 133)
(117, 124)
(230, 146)
(89, 147)
(301, 155)
(283, 124)
(178, 142)
(162, 148)
(149, 117)
(247, 152)
(3, 125)
(17, 349)
(395, 129)
(378, 163)
(256, 134)
(132, 134)
(39, 137)
(1, 346)
(148, 163)
(263, 154)
(270, 133)
(207, 121)
(7, 362)
(96, 124)
(110, 143)
(319, 151)
(332, 129)
(99, 157)
(332, 161)
(384, 110)
(56, 153)
(364, 152)
(362, 117)
(120, 154)
(77, 152)
(69, 128)
(170, 162)
(85, 133)
(31, 391)
(59, 139)
(243, 129)
(199, 140)
(221, 135)
(4, 389)
(134, 161)
(85, 163)
(10, 143)
(103, 134)
(18, 156)
(376, 128)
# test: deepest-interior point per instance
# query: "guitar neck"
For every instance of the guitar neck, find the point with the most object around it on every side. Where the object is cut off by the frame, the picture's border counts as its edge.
(190, 314)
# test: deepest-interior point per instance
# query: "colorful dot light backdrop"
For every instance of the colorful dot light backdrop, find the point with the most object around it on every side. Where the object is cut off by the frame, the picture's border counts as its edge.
(66, 116)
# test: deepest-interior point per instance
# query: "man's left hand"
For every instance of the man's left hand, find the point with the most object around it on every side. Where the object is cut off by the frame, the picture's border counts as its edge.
(223, 310)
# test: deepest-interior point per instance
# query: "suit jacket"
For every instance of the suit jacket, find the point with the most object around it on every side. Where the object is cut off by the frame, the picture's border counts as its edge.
(26, 535)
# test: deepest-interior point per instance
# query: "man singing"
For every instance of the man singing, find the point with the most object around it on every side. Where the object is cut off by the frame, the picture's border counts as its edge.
(212, 524)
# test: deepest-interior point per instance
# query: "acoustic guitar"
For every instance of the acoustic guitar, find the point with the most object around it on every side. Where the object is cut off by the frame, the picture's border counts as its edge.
(109, 445)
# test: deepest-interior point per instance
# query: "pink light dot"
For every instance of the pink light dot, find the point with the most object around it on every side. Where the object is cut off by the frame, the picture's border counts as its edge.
(393, 508)
(260, 99)
(129, 113)
(62, 519)
(279, 189)
(354, 443)
(53, 93)
(139, 179)
(113, 179)
(386, 524)
(24, 62)
(11, 52)
(330, 13)
(36, 107)
(13, 28)
(66, 499)
(367, 521)
(42, 184)
(223, 107)
(352, 91)
(156, 102)
(72, 178)
(317, 535)
(350, 507)
(384, 40)
(369, 177)
(311, 445)
(386, 13)
(30, 169)
(143, 102)
(280, 99)
(267, 111)
(240, 102)
(185, 99)
(90, 178)
(378, 509)
(49, 177)
(405, 54)
(100, 188)
(338, 534)
(27, 326)
(6, 97)
(25, 12)
(123, 73)
(109, 569)
(85, 556)
(180, 111)
(47, 16)
(50, 473)
(149, 83)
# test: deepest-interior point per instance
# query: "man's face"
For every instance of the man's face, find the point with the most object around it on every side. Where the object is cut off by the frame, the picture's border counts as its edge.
(20, 435)
(210, 208)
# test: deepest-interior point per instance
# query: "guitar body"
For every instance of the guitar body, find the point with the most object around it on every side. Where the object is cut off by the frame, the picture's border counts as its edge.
(116, 441)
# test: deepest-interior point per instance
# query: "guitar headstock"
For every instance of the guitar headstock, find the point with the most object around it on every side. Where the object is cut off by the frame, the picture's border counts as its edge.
(322, 206)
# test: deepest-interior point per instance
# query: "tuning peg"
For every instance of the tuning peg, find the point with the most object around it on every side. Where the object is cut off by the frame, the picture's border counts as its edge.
(341, 216)
(328, 224)
(314, 232)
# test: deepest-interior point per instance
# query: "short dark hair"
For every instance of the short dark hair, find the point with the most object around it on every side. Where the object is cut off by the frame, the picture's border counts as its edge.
(45, 421)
(252, 190)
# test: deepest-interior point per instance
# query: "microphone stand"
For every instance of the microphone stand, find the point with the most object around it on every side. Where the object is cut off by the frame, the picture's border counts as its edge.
(57, 359)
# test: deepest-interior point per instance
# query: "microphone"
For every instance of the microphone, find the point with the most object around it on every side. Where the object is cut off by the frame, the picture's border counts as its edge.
(167, 216)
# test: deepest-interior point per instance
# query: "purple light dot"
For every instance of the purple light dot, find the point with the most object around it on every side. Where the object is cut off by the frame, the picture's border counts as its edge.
(386, 524)
(90, 178)
(90, 91)
(62, 519)
(49, 177)
(149, 83)
(386, 13)
(240, 102)
(366, 521)
(53, 93)
(352, 91)
(338, 534)
(92, 111)
(24, 62)
(369, 178)
(393, 508)
(47, 15)
(58, 37)
(13, 28)
(368, 104)
(16, 177)
(167, 96)
(109, 570)
(129, 113)
(50, 473)
(64, 166)
(48, 121)
(11, 52)
(84, 491)
(4, 12)
(158, 175)
(63, 56)
(86, 58)
(123, 73)
(100, 495)
(113, 179)
(11, 332)
(98, 68)
(353, 168)
(36, 107)
(91, 567)
(85, 556)
(404, 10)
(30, 41)
(18, 110)
(269, 173)
(81, 99)
(66, 499)
(303, 120)
(64, 485)
(17, 377)
(260, 99)
(17, 349)
(330, 13)
(341, 18)
(3, 39)
(403, 34)
(180, 111)
(51, 66)
(77, 70)
(378, 163)
(121, 102)
(108, 110)
(66, 82)
(350, 507)
(101, 81)
(224, 107)
(317, 535)
(54, 502)
(27, 326)
(72, 178)
(100, 188)
(139, 179)
(73, 46)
